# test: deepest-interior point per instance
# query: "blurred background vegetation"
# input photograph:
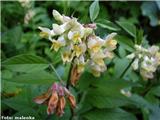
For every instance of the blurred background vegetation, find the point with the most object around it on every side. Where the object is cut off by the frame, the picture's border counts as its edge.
(19, 35)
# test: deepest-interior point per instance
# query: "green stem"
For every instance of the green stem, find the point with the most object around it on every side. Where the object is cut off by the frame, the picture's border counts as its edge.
(58, 76)
(69, 76)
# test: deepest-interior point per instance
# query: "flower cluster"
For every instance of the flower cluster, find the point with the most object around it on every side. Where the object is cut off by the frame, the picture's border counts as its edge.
(55, 99)
(79, 44)
(146, 60)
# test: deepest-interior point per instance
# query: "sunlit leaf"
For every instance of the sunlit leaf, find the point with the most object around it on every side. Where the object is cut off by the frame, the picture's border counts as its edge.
(94, 10)
(39, 77)
(128, 27)
(107, 24)
(25, 63)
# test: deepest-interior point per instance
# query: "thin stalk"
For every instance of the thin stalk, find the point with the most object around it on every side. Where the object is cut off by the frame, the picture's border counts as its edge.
(69, 76)
(58, 76)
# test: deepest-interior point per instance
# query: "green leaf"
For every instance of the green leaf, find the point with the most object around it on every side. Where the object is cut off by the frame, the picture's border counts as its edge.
(94, 10)
(12, 36)
(155, 91)
(105, 93)
(39, 77)
(139, 37)
(16, 103)
(122, 52)
(109, 114)
(128, 27)
(55, 57)
(27, 112)
(139, 101)
(125, 42)
(106, 101)
(107, 24)
(25, 63)
(120, 64)
(85, 80)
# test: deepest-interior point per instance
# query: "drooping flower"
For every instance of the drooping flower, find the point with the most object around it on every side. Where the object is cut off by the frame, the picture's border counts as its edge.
(55, 98)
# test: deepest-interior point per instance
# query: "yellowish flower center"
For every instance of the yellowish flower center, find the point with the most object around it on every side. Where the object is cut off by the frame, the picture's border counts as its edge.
(81, 67)
(100, 61)
(56, 45)
(95, 73)
(76, 37)
(96, 48)
(66, 56)
(78, 50)
(43, 34)
(111, 43)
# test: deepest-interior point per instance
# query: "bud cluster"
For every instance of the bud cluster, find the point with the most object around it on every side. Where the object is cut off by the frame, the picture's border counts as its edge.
(55, 98)
(79, 44)
(146, 60)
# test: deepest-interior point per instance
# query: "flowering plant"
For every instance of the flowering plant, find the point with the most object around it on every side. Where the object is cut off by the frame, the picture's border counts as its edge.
(101, 63)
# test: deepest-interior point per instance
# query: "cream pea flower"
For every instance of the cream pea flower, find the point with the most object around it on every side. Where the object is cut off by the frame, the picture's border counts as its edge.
(146, 60)
(153, 49)
(135, 64)
(67, 54)
(94, 43)
(87, 31)
(98, 58)
(79, 49)
(110, 43)
(46, 32)
(57, 16)
(58, 29)
(131, 56)
(96, 69)
(108, 54)
(80, 63)
(56, 44)
(75, 36)
(79, 44)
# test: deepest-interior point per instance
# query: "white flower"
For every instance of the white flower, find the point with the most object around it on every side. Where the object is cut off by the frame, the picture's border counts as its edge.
(66, 19)
(147, 60)
(98, 58)
(153, 49)
(108, 54)
(140, 48)
(80, 63)
(131, 56)
(67, 56)
(146, 75)
(95, 43)
(126, 92)
(135, 64)
(46, 32)
(58, 29)
(87, 31)
(96, 69)
(148, 64)
(79, 44)
(111, 36)
(56, 44)
(75, 36)
(79, 49)
(57, 15)
(110, 43)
